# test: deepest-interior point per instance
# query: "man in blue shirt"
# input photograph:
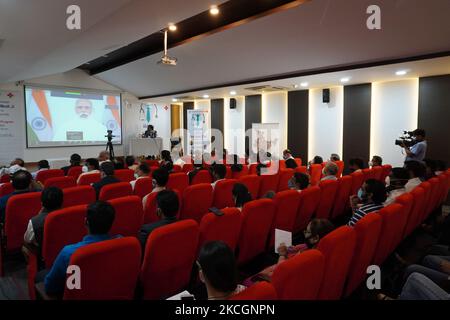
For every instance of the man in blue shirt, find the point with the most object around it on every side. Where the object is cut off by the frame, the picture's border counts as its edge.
(99, 219)
(418, 151)
(22, 183)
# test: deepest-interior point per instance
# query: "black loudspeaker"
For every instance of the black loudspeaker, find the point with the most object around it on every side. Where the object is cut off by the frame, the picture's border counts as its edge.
(326, 95)
(232, 103)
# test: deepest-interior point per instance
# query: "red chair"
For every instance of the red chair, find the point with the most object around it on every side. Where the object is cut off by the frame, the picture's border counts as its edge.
(337, 248)
(240, 174)
(378, 173)
(100, 281)
(152, 163)
(75, 172)
(301, 169)
(281, 164)
(143, 187)
(6, 188)
(300, 277)
(229, 174)
(328, 190)
(188, 167)
(342, 196)
(443, 188)
(5, 178)
(269, 182)
(434, 201)
(124, 175)
(367, 174)
(428, 198)
(357, 182)
(169, 256)
(225, 228)
(414, 219)
(298, 161)
(309, 201)
(179, 181)
(252, 168)
(60, 182)
(129, 216)
(42, 176)
(19, 210)
(285, 176)
(223, 196)
(176, 168)
(78, 195)
(260, 291)
(253, 183)
(367, 233)
(387, 168)
(115, 190)
(341, 166)
(407, 201)
(88, 179)
(257, 217)
(286, 206)
(315, 173)
(202, 176)
(197, 200)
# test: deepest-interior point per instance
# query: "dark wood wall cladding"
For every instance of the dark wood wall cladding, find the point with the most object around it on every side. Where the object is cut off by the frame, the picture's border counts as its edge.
(434, 115)
(356, 136)
(217, 116)
(297, 140)
(253, 107)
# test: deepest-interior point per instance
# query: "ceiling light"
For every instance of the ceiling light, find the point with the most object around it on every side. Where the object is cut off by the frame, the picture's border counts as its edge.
(304, 84)
(233, 93)
(214, 10)
(345, 79)
(205, 96)
(172, 27)
(295, 86)
(174, 100)
(401, 72)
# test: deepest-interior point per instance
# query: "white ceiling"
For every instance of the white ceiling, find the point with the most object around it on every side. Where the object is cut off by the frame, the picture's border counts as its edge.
(317, 34)
(37, 42)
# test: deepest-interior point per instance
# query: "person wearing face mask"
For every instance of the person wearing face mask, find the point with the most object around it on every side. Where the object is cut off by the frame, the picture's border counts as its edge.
(289, 159)
(397, 180)
(370, 198)
(142, 171)
(91, 166)
(299, 181)
(376, 161)
(160, 179)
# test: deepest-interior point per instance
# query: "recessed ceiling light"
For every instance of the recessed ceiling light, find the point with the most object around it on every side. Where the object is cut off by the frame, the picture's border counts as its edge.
(295, 86)
(233, 93)
(401, 72)
(345, 79)
(174, 100)
(214, 10)
(172, 27)
(205, 96)
(304, 84)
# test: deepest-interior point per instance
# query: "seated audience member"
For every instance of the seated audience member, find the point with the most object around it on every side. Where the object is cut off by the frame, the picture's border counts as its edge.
(160, 178)
(330, 171)
(52, 199)
(218, 270)
(335, 157)
(441, 167)
(416, 174)
(75, 161)
(218, 173)
(99, 220)
(241, 195)
(103, 156)
(355, 165)
(22, 182)
(397, 180)
(436, 268)
(299, 181)
(142, 171)
(118, 164)
(370, 198)
(42, 166)
(107, 176)
(15, 165)
(166, 161)
(90, 166)
(289, 159)
(167, 209)
(376, 161)
(316, 160)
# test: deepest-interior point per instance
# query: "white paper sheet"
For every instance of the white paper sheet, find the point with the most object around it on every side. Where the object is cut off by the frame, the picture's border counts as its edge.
(282, 236)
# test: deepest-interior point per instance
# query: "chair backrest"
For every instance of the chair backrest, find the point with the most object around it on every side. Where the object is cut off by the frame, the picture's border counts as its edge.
(240, 174)
(152, 163)
(298, 161)
(377, 173)
(124, 175)
(75, 172)
(257, 217)
(428, 198)
(129, 216)
(252, 182)
(316, 173)
(202, 176)
(260, 291)
(435, 192)
(416, 211)
(143, 186)
(61, 228)
(269, 182)
(197, 200)
(187, 167)
(179, 181)
(88, 179)
(176, 168)
(301, 169)
(225, 228)
(328, 189)
(443, 188)
(6, 188)
(115, 190)
(300, 277)
(5, 178)
(387, 168)
(285, 176)
(341, 165)
(309, 201)
(169, 256)
(357, 182)
(281, 164)
(20, 209)
(60, 182)
(342, 196)
(407, 200)
(367, 232)
(150, 207)
(43, 175)
(110, 270)
(229, 174)
(337, 247)
(76, 196)
(223, 196)
(252, 168)
(367, 174)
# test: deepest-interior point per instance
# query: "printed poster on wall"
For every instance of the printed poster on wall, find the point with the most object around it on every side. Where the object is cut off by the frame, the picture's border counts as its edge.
(11, 128)
(198, 131)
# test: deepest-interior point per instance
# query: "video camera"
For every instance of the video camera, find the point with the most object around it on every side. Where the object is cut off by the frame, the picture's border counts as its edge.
(406, 140)
(109, 135)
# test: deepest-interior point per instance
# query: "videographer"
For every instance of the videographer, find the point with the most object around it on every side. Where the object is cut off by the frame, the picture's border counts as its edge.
(417, 151)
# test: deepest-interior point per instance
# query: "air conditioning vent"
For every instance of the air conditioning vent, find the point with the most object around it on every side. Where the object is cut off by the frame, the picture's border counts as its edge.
(267, 88)
(188, 98)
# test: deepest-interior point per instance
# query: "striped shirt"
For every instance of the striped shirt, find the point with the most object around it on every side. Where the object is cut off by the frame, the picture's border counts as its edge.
(362, 211)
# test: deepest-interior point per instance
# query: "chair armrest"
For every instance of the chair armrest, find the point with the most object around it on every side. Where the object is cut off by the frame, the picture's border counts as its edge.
(40, 290)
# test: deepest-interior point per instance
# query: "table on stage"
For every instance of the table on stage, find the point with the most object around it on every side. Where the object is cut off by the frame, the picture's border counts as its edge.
(145, 146)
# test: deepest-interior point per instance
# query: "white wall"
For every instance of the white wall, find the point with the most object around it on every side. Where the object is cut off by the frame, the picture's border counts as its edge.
(274, 110)
(325, 123)
(234, 127)
(394, 109)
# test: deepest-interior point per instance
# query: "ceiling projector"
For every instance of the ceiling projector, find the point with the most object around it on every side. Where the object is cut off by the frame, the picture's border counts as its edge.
(166, 60)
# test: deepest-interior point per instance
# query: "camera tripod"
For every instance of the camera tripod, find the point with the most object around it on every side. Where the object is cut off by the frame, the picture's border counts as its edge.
(110, 149)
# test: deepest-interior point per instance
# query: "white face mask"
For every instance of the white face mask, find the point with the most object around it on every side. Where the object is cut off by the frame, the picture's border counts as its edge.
(136, 176)
(370, 164)
(84, 169)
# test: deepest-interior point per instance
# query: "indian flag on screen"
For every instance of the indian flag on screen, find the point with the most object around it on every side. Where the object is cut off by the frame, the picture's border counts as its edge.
(39, 119)
(111, 116)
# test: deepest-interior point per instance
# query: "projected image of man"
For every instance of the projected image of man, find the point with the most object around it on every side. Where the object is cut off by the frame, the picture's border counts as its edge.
(84, 126)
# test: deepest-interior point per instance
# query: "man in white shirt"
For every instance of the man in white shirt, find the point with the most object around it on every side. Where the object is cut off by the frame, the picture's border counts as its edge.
(416, 174)
(142, 171)
(42, 166)
(15, 165)
(397, 179)
(219, 171)
(418, 151)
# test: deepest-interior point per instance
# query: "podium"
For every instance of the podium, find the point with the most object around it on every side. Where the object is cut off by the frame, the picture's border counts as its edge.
(145, 146)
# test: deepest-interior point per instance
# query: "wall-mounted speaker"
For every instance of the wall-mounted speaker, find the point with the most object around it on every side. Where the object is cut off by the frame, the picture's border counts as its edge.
(326, 95)
(232, 103)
